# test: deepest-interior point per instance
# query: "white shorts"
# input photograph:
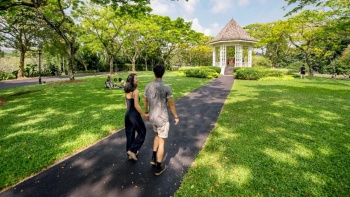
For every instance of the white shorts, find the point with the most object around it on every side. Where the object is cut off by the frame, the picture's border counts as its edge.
(162, 131)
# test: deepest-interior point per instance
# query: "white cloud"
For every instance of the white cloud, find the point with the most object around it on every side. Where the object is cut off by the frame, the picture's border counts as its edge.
(243, 2)
(199, 28)
(220, 6)
(161, 7)
(189, 6)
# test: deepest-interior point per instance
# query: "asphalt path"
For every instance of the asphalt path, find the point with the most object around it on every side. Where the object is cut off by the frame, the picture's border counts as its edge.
(104, 169)
(5, 84)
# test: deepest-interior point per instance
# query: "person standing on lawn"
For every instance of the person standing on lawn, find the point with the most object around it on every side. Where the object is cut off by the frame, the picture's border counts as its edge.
(133, 119)
(302, 72)
(156, 96)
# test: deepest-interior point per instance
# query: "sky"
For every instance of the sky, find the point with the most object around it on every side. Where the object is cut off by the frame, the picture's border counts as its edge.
(211, 16)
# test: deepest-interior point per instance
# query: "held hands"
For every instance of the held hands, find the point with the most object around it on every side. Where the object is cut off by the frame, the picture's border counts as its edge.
(177, 120)
(146, 116)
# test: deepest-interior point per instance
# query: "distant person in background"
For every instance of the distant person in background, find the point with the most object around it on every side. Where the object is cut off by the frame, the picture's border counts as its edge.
(108, 83)
(115, 83)
(302, 72)
(121, 83)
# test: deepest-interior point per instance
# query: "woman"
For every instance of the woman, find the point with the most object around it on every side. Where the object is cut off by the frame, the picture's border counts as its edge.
(133, 120)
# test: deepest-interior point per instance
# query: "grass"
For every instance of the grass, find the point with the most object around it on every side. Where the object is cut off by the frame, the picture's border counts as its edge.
(273, 138)
(277, 138)
(42, 124)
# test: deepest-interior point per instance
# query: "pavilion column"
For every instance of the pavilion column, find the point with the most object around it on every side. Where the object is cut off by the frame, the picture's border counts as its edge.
(238, 55)
(223, 58)
(214, 56)
(250, 49)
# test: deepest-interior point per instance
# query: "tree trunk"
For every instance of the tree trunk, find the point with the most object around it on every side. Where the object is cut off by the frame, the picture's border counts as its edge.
(70, 61)
(21, 65)
(133, 64)
(146, 67)
(111, 62)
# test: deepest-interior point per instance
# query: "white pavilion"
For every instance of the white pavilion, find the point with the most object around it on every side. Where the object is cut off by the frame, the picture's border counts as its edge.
(232, 35)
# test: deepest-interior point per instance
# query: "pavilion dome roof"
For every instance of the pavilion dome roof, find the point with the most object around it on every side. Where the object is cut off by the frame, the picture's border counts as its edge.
(232, 32)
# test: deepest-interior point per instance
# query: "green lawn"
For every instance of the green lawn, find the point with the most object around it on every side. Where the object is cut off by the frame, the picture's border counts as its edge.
(42, 124)
(277, 138)
(273, 138)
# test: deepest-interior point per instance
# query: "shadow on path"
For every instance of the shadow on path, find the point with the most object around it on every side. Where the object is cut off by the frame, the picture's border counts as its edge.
(104, 170)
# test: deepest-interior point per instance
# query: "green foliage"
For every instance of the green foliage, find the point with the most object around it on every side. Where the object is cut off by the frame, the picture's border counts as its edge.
(338, 67)
(216, 68)
(6, 76)
(295, 66)
(260, 61)
(200, 72)
(257, 73)
(344, 61)
(284, 78)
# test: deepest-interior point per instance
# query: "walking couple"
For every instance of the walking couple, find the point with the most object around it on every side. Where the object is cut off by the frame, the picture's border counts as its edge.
(157, 96)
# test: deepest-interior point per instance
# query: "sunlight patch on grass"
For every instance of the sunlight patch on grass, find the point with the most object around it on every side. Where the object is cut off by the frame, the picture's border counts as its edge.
(302, 151)
(28, 123)
(238, 174)
(314, 178)
(327, 115)
(19, 133)
(325, 151)
(279, 156)
(283, 103)
(82, 140)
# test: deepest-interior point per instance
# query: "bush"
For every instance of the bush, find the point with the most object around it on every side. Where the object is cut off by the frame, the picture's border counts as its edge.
(6, 76)
(257, 73)
(260, 61)
(295, 66)
(216, 68)
(284, 78)
(200, 72)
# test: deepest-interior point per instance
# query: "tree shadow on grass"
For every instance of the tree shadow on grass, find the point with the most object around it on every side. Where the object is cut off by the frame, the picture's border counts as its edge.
(103, 169)
(278, 142)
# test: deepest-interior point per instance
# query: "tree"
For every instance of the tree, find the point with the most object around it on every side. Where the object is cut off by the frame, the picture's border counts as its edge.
(104, 28)
(54, 13)
(273, 40)
(309, 32)
(138, 35)
(172, 33)
(20, 29)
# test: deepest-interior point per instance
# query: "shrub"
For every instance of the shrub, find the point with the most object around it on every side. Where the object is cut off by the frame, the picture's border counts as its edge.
(6, 76)
(257, 73)
(284, 78)
(216, 68)
(200, 72)
(295, 66)
(260, 61)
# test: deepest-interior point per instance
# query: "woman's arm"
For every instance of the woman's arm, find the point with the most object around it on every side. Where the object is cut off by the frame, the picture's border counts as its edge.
(137, 104)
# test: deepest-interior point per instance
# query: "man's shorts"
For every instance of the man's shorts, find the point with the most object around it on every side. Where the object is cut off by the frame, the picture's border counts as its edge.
(163, 130)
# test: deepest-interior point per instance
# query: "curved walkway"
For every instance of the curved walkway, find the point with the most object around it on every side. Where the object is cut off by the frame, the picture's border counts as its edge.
(104, 170)
(35, 80)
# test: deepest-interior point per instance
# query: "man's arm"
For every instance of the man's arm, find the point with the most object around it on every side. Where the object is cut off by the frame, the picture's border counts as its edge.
(145, 105)
(173, 109)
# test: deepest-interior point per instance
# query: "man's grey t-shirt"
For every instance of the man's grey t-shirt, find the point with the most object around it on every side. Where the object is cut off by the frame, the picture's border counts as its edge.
(157, 94)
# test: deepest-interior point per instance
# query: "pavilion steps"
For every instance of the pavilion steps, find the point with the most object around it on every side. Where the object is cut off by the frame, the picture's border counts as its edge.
(228, 70)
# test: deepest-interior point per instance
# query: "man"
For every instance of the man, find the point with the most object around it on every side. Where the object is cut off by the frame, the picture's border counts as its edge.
(157, 95)
(302, 72)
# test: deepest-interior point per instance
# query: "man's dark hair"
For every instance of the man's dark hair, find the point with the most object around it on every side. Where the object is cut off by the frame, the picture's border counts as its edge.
(159, 70)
